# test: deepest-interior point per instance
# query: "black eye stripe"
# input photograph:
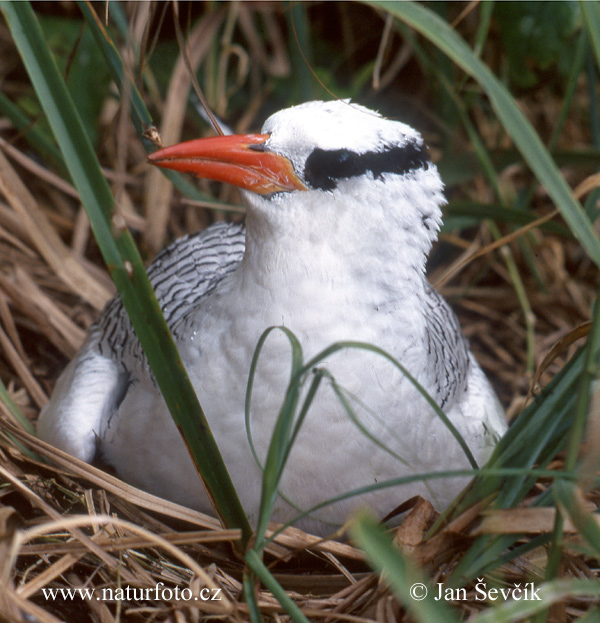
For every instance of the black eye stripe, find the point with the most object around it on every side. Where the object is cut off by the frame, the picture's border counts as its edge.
(324, 168)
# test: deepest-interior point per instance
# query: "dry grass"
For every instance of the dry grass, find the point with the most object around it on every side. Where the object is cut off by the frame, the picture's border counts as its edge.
(67, 524)
(71, 525)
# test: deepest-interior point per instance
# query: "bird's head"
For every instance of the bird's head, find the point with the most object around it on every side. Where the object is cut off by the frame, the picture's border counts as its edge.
(336, 154)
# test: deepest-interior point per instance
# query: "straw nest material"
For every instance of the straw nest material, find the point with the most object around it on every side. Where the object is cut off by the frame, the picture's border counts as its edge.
(68, 525)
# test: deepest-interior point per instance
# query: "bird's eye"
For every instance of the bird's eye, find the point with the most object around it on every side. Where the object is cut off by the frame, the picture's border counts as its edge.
(324, 168)
(341, 156)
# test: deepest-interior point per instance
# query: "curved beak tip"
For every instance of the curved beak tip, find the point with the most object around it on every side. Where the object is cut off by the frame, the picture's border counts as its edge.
(233, 159)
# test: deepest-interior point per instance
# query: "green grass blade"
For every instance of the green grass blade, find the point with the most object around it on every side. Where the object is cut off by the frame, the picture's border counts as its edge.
(404, 578)
(589, 375)
(248, 584)
(590, 12)
(476, 212)
(539, 432)
(123, 261)
(14, 410)
(288, 421)
(330, 350)
(486, 13)
(265, 576)
(20, 419)
(586, 523)
(441, 34)
(546, 594)
(491, 472)
(279, 446)
(139, 113)
(576, 432)
(39, 140)
(460, 168)
(345, 402)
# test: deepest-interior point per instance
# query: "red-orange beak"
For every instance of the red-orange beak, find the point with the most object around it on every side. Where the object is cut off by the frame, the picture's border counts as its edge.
(238, 159)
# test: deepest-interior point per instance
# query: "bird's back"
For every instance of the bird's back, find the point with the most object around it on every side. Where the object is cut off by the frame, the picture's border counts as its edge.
(343, 206)
(182, 274)
(94, 383)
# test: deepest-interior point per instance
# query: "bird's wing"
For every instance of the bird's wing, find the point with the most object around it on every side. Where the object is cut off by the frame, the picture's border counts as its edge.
(96, 381)
(182, 274)
(460, 381)
(447, 346)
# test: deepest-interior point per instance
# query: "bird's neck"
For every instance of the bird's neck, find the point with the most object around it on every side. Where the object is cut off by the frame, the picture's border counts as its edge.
(346, 259)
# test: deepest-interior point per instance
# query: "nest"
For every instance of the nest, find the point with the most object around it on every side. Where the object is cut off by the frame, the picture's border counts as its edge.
(80, 545)
(69, 526)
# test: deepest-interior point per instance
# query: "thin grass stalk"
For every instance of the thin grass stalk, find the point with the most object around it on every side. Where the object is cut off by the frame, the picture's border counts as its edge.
(490, 173)
(588, 375)
(300, 53)
(264, 575)
(39, 140)
(14, 410)
(486, 10)
(337, 346)
(591, 22)
(548, 594)
(514, 121)
(341, 396)
(571, 90)
(535, 436)
(501, 214)
(124, 263)
(279, 445)
(591, 70)
(408, 582)
(22, 421)
(572, 82)
(521, 292)
(488, 472)
(140, 115)
(250, 589)
(567, 495)
(272, 472)
(284, 433)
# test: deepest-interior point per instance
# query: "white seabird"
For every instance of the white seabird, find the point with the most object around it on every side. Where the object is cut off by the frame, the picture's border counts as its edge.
(343, 206)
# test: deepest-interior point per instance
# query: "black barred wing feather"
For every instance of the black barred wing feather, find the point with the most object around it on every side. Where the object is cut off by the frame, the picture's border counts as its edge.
(182, 274)
(447, 346)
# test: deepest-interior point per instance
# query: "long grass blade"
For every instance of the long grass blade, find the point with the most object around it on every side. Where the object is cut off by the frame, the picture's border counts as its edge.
(279, 445)
(265, 576)
(441, 34)
(576, 431)
(139, 113)
(39, 140)
(591, 21)
(404, 578)
(285, 431)
(14, 410)
(124, 262)
(330, 350)
(588, 526)
(539, 599)
(534, 439)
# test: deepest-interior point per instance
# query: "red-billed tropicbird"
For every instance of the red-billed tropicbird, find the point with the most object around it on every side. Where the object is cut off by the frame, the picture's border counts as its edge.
(343, 206)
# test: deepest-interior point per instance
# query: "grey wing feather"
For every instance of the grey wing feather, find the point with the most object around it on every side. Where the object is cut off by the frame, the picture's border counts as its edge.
(181, 275)
(447, 346)
(92, 386)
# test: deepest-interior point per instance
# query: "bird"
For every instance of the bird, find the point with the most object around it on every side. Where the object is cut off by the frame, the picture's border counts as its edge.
(343, 206)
